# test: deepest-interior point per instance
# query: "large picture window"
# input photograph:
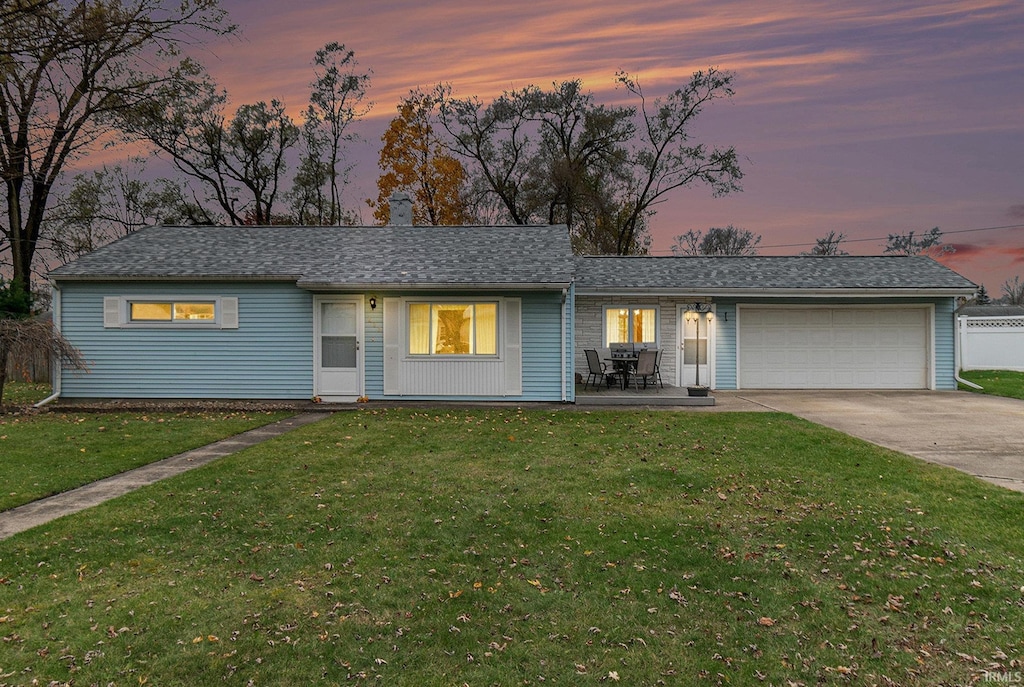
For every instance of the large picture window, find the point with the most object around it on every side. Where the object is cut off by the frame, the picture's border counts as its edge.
(630, 325)
(453, 328)
(165, 311)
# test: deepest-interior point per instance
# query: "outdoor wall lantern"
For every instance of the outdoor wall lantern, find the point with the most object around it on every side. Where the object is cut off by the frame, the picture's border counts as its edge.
(373, 302)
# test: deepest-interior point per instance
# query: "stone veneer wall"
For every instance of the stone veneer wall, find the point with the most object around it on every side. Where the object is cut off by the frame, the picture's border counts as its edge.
(590, 328)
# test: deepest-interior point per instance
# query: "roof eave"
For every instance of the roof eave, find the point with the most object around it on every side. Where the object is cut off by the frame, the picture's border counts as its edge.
(430, 286)
(924, 292)
(174, 277)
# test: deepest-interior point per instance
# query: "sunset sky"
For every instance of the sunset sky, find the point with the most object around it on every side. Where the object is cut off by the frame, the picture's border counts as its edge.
(867, 118)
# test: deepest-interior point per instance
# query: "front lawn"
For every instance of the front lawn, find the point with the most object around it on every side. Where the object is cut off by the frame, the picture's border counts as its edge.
(505, 547)
(996, 382)
(20, 394)
(48, 453)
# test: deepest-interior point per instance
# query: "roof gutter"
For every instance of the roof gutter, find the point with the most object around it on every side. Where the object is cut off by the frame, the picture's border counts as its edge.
(55, 368)
(174, 278)
(422, 286)
(562, 338)
(753, 292)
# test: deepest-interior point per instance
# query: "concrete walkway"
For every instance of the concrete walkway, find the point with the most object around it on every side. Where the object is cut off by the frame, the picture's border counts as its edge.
(40, 512)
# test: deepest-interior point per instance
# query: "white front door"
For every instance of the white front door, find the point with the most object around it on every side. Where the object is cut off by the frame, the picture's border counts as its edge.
(338, 369)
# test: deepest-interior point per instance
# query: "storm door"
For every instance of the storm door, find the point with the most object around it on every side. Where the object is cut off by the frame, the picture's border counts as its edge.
(338, 358)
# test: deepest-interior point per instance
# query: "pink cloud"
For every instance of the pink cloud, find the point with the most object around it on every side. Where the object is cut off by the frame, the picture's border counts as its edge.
(850, 116)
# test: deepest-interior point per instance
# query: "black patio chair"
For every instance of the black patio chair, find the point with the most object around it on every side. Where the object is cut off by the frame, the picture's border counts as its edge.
(657, 368)
(646, 365)
(597, 371)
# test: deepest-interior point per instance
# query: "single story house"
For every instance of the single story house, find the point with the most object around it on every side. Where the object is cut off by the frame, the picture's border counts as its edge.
(480, 313)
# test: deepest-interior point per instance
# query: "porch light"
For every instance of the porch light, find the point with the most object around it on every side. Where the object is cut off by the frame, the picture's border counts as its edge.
(695, 310)
(373, 302)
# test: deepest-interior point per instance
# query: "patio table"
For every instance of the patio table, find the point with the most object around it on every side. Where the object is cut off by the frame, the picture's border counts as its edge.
(623, 364)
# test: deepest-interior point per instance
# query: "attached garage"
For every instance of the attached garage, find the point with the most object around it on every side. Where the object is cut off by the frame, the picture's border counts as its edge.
(839, 347)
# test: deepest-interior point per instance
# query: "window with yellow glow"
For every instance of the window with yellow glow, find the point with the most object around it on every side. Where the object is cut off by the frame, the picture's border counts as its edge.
(171, 312)
(453, 328)
(630, 325)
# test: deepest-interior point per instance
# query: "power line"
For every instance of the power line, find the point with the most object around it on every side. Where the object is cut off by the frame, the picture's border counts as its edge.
(885, 238)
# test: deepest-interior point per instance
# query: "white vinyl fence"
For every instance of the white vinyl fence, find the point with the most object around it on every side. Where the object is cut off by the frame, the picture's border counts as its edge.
(991, 343)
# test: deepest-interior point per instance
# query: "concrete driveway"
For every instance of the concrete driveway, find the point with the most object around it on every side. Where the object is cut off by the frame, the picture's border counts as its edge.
(980, 435)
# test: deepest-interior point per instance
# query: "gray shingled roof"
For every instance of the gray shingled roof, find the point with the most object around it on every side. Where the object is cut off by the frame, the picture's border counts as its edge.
(991, 310)
(752, 274)
(527, 256)
(446, 257)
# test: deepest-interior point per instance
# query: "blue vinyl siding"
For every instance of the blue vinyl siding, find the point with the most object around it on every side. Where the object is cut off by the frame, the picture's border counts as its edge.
(269, 356)
(542, 341)
(725, 345)
(570, 344)
(373, 348)
(945, 334)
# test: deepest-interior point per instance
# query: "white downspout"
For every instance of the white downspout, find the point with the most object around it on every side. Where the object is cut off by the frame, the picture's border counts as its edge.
(563, 342)
(55, 366)
(961, 325)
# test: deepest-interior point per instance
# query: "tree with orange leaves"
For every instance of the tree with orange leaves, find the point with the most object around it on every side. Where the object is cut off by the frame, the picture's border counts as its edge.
(414, 159)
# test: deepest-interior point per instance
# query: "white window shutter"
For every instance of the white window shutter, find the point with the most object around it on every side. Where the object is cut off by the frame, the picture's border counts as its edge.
(229, 312)
(513, 347)
(394, 345)
(111, 312)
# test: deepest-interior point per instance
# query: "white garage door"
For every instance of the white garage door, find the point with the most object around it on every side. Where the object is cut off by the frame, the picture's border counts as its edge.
(833, 348)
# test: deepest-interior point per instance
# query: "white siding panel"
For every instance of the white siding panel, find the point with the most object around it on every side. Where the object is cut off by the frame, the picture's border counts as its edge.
(453, 377)
(513, 348)
(229, 312)
(394, 345)
(111, 311)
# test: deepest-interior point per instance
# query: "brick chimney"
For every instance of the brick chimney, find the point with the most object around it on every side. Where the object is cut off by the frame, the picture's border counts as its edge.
(401, 209)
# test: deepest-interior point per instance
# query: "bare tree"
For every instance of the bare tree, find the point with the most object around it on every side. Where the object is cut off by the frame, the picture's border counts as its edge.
(910, 243)
(717, 241)
(667, 158)
(337, 99)
(105, 204)
(557, 156)
(238, 162)
(828, 245)
(68, 68)
(1013, 291)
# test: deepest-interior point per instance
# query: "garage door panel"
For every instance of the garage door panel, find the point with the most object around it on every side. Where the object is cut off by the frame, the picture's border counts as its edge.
(853, 318)
(893, 338)
(852, 338)
(818, 348)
